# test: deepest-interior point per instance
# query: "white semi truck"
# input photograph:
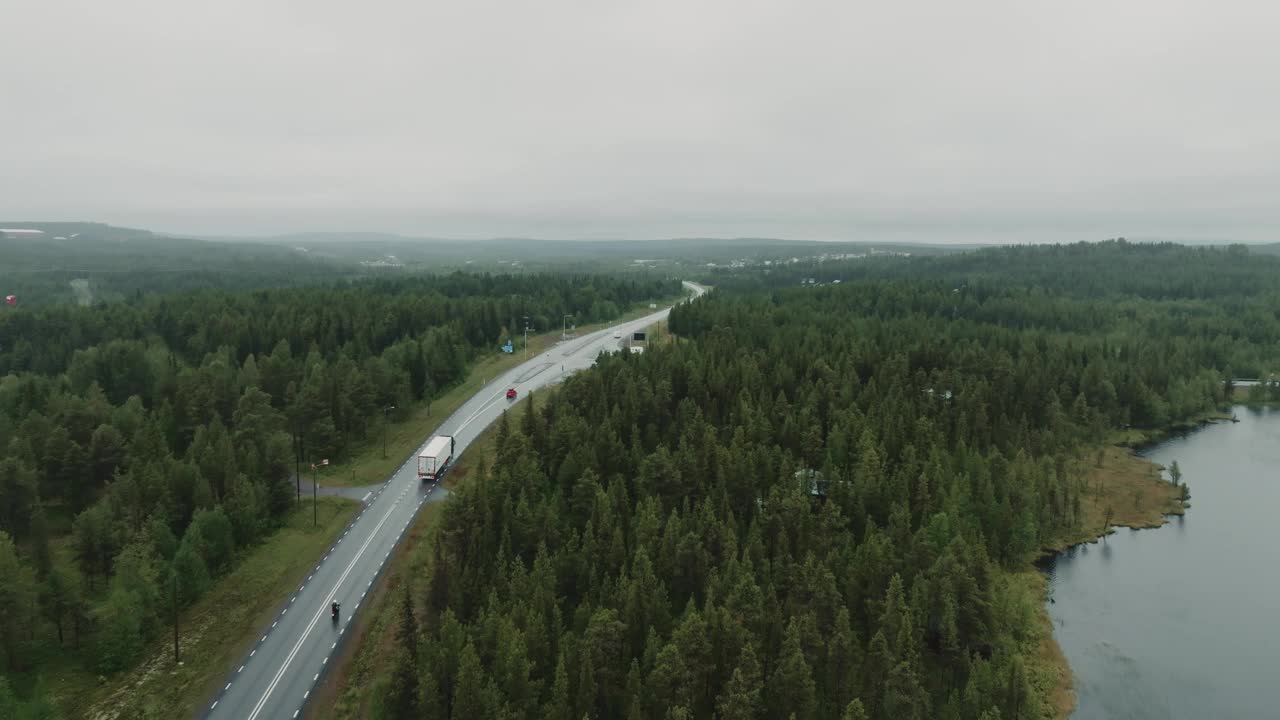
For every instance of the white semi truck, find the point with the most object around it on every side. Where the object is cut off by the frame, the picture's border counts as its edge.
(435, 457)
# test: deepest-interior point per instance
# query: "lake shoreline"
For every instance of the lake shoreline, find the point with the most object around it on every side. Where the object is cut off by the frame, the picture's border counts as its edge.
(1124, 470)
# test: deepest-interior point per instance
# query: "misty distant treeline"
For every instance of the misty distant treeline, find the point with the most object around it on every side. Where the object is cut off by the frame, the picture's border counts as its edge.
(1218, 305)
(110, 264)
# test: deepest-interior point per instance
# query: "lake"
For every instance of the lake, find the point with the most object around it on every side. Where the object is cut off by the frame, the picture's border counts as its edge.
(1184, 621)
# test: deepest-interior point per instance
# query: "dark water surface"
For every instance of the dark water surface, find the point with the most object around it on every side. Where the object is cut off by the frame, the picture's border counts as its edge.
(1184, 621)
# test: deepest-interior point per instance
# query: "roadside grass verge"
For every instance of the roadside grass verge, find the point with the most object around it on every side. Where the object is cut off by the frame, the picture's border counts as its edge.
(416, 423)
(350, 687)
(214, 634)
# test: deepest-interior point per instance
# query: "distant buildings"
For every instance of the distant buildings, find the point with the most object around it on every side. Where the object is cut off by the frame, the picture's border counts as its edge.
(20, 234)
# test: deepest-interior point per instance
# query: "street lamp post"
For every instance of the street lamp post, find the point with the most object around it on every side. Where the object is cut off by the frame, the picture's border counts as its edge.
(297, 463)
(385, 412)
(526, 337)
(564, 328)
(174, 571)
(315, 484)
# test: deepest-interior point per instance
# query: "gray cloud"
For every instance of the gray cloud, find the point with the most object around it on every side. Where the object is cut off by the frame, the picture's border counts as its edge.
(571, 119)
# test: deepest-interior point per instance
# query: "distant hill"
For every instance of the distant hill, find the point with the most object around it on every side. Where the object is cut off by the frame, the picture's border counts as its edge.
(84, 231)
(437, 254)
(91, 262)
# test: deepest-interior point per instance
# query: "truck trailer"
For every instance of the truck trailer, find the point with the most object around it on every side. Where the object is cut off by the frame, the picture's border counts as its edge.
(435, 457)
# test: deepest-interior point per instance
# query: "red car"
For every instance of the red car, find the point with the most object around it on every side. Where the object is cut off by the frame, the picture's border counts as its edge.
(511, 394)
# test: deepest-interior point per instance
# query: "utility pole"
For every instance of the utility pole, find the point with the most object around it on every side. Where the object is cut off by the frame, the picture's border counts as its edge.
(526, 337)
(564, 328)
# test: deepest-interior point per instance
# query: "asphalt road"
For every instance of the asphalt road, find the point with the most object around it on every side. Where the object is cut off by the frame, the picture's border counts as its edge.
(276, 679)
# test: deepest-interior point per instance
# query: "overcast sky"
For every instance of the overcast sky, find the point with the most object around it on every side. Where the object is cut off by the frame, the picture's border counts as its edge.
(998, 119)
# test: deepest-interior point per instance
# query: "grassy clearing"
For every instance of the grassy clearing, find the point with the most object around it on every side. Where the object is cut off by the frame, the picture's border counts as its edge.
(215, 632)
(369, 466)
(350, 687)
(1126, 486)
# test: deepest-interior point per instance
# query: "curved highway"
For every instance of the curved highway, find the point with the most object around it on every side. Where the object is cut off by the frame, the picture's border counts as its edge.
(275, 680)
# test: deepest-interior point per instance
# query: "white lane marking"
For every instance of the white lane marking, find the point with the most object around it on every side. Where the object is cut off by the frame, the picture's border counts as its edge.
(264, 639)
(251, 653)
(295, 712)
(240, 670)
(295, 597)
(262, 701)
(325, 661)
(317, 677)
(274, 624)
(306, 694)
(484, 406)
(366, 497)
(333, 646)
(228, 687)
(214, 705)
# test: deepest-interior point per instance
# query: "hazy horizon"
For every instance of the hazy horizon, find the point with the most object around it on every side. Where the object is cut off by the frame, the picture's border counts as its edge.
(905, 233)
(988, 122)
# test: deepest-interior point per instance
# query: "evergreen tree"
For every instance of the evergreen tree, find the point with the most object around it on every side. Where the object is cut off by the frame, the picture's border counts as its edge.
(791, 687)
(402, 700)
(40, 555)
(472, 697)
(17, 597)
(742, 697)
(120, 634)
(854, 711)
(192, 574)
